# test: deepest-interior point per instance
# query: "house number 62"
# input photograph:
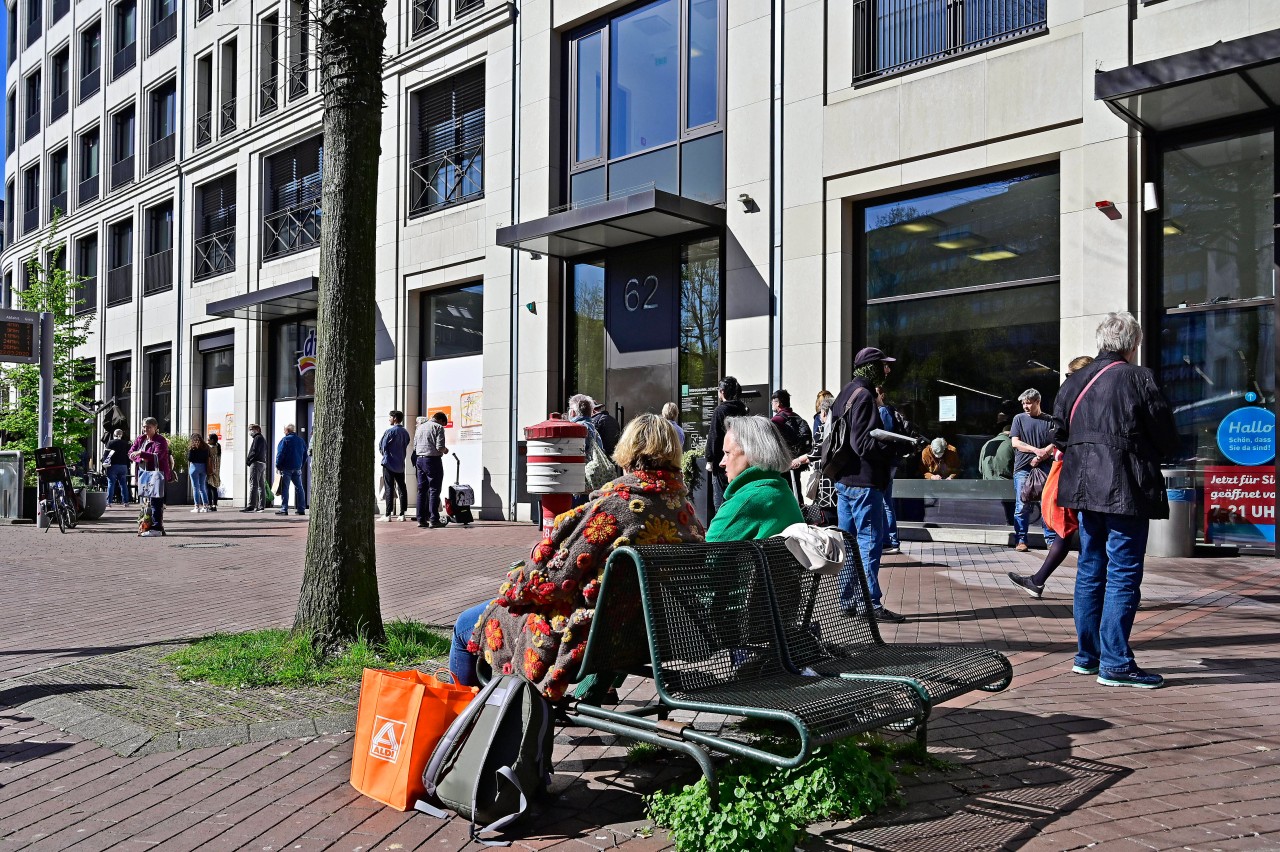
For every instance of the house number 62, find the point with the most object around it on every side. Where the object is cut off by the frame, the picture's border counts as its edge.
(638, 295)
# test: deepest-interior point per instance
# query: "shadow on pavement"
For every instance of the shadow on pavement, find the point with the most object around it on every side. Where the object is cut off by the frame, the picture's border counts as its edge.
(24, 751)
(19, 695)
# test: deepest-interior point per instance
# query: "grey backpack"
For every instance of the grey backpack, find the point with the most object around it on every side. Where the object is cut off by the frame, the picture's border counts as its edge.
(495, 759)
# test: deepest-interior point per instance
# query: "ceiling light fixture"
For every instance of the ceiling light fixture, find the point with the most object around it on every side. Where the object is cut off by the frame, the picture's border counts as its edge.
(1173, 228)
(960, 240)
(920, 225)
(993, 253)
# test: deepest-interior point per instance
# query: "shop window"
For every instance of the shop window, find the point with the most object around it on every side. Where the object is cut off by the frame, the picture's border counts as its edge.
(215, 245)
(292, 223)
(160, 388)
(643, 85)
(219, 368)
(448, 152)
(120, 386)
(962, 288)
(453, 322)
(293, 359)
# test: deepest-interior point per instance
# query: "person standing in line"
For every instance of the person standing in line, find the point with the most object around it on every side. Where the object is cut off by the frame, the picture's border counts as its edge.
(291, 455)
(892, 545)
(150, 451)
(1032, 437)
(118, 468)
(428, 443)
(1112, 443)
(393, 445)
(861, 479)
(672, 415)
(730, 406)
(606, 427)
(256, 461)
(215, 470)
(818, 422)
(198, 459)
(795, 433)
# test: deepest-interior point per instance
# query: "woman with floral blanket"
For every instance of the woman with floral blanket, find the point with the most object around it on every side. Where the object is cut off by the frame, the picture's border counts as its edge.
(537, 626)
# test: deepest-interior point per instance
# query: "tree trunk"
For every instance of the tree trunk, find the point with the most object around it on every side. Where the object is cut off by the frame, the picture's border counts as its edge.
(339, 599)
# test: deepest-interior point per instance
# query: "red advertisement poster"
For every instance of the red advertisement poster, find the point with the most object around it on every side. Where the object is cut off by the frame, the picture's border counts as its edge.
(1240, 504)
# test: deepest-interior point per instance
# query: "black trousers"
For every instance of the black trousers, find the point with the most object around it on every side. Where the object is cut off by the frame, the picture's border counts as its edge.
(430, 483)
(394, 480)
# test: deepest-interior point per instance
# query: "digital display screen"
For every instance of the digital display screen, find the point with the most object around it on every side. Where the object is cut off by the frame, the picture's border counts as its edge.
(17, 340)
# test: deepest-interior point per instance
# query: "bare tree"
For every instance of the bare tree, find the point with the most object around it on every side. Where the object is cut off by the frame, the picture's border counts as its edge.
(339, 599)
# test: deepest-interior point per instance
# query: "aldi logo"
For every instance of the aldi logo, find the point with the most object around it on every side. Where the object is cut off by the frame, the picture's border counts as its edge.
(387, 737)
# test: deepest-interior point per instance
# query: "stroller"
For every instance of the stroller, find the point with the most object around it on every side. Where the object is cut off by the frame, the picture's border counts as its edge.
(458, 503)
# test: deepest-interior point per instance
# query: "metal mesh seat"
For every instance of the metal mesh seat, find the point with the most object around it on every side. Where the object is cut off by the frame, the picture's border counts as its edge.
(827, 638)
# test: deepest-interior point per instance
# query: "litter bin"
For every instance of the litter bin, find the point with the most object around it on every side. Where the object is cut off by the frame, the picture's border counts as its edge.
(1176, 536)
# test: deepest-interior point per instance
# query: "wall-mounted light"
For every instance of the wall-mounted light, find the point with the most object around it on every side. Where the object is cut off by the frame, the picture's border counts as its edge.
(1108, 209)
(1150, 197)
(531, 307)
(748, 203)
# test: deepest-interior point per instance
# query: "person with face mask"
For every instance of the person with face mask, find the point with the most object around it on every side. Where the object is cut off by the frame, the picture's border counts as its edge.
(256, 461)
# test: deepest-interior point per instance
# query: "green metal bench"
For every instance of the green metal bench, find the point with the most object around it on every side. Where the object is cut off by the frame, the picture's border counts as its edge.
(820, 636)
(700, 620)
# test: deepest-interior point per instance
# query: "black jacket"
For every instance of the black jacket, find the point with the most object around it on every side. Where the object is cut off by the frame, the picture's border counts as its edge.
(715, 432)
(608, 430)
(873, 459)
(257, 450)
(1113, 447)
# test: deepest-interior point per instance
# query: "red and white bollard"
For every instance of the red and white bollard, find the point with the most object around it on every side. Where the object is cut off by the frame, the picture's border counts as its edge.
(556, 461)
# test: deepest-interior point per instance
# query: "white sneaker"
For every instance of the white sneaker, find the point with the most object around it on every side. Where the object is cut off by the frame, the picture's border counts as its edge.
(386, 519)
(402, 517)
(196, 509)
(150, 534)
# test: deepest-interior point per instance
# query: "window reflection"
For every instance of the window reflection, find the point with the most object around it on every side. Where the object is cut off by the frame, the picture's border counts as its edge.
(456, 322)
(589, 92)
(700, 314)
(704, 35)
(644, 77)
(586, 330)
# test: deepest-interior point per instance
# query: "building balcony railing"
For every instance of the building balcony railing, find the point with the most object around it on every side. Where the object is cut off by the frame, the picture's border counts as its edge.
(58, 204)
(450, 177)
(87, 192)
(291, 230)
(892, 37)
(90, 83)
(30, 220)
(215, 254)
(161, 151)
(34, 30)
(163, 31)
(426, 17)
(124, 59)
(120, 285)
(58, 105)
(462, 7)
(60, 9)
(31, 127)
(204, 9)
(227, 117)
(204, 129)
(86, 295)
(157, 272)
(122, 172)
(269, 96)
(298, 82)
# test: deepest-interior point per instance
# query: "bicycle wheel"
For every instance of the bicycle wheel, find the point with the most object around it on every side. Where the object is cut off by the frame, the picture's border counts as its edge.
(68, 509)
(50, 511)
(59, 512)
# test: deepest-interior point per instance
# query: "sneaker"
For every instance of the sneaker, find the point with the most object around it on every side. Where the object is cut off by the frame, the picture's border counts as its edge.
(1027, 585)
(884, 614)
(282, 511)
(1134, 677)
(386, 519)
(891, 551)
(196, 510)
(402, 517)
(438, 525)
(1084, 670)
(1022, 547)
(248, 509)
(151, 534)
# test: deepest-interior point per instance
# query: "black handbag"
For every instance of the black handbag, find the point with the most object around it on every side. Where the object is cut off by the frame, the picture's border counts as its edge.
(837, 447)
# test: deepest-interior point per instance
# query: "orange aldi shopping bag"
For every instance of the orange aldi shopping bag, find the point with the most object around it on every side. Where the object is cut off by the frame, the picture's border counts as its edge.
(402, 716)
(1061, 520)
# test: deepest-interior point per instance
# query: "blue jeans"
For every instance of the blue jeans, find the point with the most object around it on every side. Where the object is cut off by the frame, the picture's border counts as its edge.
(1022, 512)
(200, 482)
(890, 519)
(294, 476)
(861, 514)
(1108, 581)
(461, 661)
(118, 482)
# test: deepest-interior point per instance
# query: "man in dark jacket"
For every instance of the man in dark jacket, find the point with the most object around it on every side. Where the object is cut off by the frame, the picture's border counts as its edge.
(861, 482)
(256, 461)
(291, 455)
(393, 446)
(730, 406)
(606, 427)
(1113, 440)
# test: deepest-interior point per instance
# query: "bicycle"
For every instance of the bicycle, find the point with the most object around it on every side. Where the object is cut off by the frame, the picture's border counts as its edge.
(59, 502)
(57, 505)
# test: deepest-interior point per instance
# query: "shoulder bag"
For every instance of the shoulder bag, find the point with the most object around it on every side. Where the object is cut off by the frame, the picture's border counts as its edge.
(837, 446)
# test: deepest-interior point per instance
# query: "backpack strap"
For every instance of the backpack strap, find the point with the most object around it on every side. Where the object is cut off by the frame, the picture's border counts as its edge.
(503, 699)
(1095, 378)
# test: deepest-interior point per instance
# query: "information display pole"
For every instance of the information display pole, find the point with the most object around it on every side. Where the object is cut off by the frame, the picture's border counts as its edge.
(45, 426)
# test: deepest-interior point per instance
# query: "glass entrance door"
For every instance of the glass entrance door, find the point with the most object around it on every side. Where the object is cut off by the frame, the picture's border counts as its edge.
(641, 314)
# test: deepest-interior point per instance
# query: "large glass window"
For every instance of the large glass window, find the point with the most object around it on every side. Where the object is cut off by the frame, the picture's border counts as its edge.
(448, 150)
(120, 386)
(291, 376)
(1216, 347)
(962, 289)
(585, 366)
(160, 387)
(664, 85)
(453, 322)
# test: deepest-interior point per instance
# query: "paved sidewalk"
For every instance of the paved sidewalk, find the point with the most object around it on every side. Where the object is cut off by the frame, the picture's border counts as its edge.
(1054, 763)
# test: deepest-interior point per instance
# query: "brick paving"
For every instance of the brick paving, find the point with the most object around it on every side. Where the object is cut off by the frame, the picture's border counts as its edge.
(1056, 762)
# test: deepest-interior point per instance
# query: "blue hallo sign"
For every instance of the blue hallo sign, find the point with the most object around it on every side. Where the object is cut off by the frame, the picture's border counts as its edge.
(1247, 436)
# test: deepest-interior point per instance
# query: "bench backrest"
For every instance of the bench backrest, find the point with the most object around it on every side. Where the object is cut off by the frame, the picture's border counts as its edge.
(813, 624)
(707, 614)
(618, 641)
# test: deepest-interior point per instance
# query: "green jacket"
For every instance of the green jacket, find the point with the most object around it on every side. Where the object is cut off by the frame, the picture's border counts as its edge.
(757, 504)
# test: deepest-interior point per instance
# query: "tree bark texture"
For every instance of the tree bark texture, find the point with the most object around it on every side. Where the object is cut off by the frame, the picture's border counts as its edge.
(339, 599)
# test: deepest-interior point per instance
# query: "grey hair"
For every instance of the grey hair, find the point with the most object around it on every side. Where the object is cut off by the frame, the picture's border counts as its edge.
(1119, 332)
(119, 433)
(826, 404)
(580, 405)
(761, 442)
(1029, 395)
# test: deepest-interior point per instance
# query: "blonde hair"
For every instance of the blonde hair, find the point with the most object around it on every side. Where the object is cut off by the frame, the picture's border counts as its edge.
(670, 411)
(1079, 363)
(822, 394)
(648, 443)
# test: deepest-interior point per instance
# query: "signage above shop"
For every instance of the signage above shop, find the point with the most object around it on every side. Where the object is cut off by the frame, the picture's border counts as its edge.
(307, 362)
(1247, 436)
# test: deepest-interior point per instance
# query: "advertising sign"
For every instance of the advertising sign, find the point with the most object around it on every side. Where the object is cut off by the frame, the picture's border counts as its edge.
(1247, 436)
(1240, 504)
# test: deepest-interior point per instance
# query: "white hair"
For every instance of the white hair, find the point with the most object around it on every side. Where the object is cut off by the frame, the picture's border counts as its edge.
(1029, 395)
(761, 442)
(580, 405)
(1119, 332)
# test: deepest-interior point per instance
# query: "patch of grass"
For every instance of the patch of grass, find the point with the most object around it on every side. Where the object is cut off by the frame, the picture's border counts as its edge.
(639, 753)
(275, 658)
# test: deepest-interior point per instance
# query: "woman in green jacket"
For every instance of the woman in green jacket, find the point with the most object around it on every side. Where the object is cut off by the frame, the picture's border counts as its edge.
(759, 502)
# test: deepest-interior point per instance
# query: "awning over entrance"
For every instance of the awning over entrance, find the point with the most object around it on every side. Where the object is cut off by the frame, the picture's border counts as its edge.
(611, 223)
(270, 303)
(1226, 80)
